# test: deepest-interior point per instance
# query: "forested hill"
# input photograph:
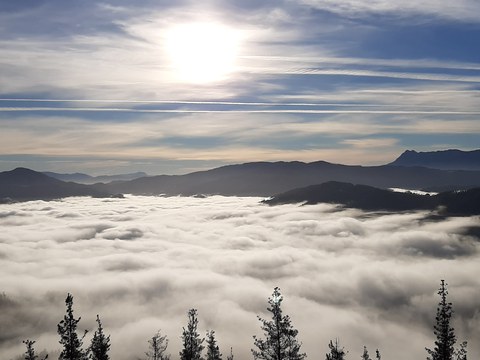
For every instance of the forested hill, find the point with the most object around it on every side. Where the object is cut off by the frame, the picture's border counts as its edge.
(373, 199)
(26, 184)
(269, 178)
(250, 179)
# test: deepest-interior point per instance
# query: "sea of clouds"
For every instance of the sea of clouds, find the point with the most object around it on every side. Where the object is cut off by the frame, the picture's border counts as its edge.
(142, 262)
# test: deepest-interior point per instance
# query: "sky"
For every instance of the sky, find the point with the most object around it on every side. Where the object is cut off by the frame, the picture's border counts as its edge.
(142, 262)
(171, 87)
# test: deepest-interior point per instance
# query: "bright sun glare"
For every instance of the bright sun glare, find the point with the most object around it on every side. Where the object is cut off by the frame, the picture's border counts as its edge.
(202, 52)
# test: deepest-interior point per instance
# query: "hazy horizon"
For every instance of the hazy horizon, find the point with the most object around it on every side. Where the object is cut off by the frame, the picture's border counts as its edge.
(104, 172)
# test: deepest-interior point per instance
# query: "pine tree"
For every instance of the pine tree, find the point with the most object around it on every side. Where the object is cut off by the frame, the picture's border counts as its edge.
(230, 356)
(213, 352)
(280, 341)
(444, 332)
(461, 354)
(67, 329)
(365, 355)
(336, 353)
(30, 353)
(377, 355)
(192, 343)
(157, 347)
(100, 344)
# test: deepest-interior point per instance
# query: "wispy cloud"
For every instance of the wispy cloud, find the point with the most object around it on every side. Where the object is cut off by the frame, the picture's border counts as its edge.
(462, 10)
(216, 138)
(304, 81)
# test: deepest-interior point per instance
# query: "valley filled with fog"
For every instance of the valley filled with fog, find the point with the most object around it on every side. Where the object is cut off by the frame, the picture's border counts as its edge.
(142, 262)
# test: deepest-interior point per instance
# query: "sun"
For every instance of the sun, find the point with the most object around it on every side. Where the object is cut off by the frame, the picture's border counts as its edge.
(202, 52)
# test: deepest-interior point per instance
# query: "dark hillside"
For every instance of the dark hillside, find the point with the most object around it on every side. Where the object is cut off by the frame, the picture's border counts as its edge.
(26, 184)
(266, 179)
(373, 199)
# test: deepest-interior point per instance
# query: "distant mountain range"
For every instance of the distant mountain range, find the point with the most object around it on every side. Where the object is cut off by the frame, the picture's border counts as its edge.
(250, 179)
(372, 199)
(87, 179)
(444, 159)
(26, 184)
(267, 179)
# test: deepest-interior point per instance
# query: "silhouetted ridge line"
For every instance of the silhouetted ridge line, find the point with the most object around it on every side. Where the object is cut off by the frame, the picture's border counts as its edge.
(249, 179)
(269, 178)
(26, 184)
(88, 180)
(373, 199)
(451, 159)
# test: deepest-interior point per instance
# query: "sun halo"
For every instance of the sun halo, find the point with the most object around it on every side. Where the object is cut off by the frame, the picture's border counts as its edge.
(202, 52)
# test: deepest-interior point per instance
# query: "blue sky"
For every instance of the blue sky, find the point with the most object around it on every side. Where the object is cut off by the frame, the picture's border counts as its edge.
(104, 87)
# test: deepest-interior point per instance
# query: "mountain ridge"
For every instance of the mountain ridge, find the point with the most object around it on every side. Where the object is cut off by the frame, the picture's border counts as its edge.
(269, 178)
(26, 184)
(82, 178)
(260, 178)
(373, 199)
(451, 159)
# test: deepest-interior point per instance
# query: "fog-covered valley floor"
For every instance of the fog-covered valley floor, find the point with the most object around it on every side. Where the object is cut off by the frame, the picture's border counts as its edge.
(142, 262)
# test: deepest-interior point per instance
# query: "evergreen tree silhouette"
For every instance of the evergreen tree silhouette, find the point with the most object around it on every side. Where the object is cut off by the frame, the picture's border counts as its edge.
(100, 344)
(69, 339)
(30, 353)
(461, 353)
(444, 332)
(336, 353)
(377, 355)
(365, 355)
(192, 343)
(157, 347)
(213, 352)
(280, 341)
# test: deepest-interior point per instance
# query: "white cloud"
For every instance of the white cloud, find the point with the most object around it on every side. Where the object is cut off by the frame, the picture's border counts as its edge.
(142, 262)
(109, 60)
(461, 10)
(227, 137)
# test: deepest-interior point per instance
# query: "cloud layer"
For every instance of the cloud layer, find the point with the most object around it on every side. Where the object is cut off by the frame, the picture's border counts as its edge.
(311, 79)
(142, 262)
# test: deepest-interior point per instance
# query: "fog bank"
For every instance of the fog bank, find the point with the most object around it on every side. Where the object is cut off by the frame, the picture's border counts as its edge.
(142, 262)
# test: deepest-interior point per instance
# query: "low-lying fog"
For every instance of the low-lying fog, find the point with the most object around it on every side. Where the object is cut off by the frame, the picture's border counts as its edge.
(142, 262)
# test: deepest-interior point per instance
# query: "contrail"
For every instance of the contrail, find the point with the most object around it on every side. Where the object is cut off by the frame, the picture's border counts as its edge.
(237, 103)
(266, 111)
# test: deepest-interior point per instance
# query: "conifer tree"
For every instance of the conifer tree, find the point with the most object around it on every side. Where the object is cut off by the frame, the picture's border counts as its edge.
(100, 344)
(280, 341)
(336, 353)
(213, 352)
(377, 355)
(157, 347)
(230, 356)
(192, 343)
(461, 353)
(444, 332)
(69, 339)
(365, 355)
(30, 353)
